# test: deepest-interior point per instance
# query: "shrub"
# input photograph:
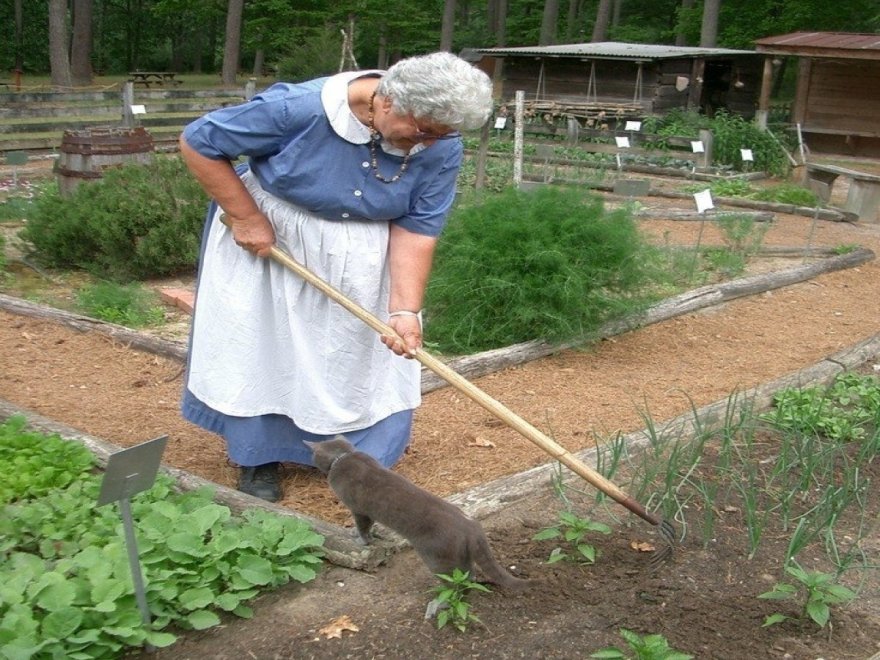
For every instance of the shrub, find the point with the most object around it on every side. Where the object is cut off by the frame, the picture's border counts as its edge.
(137, 222)
(550, 264)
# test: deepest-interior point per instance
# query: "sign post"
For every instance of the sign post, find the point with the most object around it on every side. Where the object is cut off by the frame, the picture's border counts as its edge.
(129, 472)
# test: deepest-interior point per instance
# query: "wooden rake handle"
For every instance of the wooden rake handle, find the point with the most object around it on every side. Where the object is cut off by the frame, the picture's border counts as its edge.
(469, 389)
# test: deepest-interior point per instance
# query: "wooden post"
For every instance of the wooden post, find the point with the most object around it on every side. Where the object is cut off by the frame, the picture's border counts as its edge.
(799, 108)
(764, 99)
(695, 91)
(250, 89)
(706, 157)
(519, 118)
(482, 155)
(128, 119)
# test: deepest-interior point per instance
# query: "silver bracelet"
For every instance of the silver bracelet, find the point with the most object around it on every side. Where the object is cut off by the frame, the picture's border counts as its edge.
(406, 312)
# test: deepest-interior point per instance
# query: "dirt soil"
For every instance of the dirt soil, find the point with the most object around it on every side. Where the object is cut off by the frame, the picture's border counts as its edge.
(703, 601)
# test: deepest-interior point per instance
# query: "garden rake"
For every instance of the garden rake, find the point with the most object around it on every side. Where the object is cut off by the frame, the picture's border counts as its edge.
(664, 527)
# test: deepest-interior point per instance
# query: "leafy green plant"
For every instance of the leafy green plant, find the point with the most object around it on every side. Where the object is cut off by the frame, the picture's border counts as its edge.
(647, 647)
(137, 222)
(65, 583)
(731, 133)
(34, 464)
(572, 529)
(843, 411)
(822, 592)
(787, 193)
(549, 264)
(126, 304)
(451, 600)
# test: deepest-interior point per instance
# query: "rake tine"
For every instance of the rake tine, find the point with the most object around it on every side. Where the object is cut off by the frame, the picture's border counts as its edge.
(661, 555)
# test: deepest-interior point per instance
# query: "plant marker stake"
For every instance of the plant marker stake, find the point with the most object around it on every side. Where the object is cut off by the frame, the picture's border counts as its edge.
(129, 472)
(459, 382)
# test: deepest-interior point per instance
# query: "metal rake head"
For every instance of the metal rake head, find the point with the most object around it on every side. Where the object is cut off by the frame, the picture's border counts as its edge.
(661, 555)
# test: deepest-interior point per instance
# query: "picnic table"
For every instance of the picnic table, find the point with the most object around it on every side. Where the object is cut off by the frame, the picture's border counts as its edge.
(147, 78)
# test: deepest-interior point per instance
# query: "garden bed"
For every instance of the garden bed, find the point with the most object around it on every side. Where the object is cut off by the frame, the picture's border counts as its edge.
(703, 602)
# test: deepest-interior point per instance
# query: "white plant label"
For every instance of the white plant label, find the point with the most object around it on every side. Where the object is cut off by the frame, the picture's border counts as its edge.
(622, 142)
(704, 201)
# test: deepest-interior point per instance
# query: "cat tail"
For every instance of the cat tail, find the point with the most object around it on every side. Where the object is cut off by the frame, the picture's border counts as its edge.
(494, 572)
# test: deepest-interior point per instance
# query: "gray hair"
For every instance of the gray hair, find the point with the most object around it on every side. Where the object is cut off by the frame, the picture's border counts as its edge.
(440, 87)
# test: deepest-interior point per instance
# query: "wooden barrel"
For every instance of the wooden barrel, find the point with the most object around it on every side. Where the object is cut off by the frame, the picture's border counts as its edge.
(85, 154)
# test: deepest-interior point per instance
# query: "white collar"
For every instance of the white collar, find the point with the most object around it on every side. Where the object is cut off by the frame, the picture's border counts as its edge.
(334, 98)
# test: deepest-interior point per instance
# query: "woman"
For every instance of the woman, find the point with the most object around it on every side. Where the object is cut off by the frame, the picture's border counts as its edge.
(353, 175)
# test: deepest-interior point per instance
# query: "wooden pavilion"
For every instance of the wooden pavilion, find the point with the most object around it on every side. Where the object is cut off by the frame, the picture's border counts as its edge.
(837, 99)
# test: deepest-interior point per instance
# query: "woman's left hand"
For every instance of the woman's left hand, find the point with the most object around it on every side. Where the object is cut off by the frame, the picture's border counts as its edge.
(409, 329)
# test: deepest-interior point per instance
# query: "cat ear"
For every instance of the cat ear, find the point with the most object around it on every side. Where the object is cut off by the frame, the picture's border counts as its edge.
(310, 445)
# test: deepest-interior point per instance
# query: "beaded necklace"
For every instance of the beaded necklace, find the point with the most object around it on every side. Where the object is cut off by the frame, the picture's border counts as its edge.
(374, 140)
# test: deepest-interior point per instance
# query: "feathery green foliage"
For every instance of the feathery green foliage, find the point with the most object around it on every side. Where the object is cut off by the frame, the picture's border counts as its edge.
(139, 221)
(550, 264)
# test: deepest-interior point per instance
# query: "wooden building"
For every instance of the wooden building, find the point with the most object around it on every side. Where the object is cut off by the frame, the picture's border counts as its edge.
(628, 80)
(837, 99)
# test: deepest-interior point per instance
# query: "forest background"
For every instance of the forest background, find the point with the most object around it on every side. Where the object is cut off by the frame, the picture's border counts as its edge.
(74, 40)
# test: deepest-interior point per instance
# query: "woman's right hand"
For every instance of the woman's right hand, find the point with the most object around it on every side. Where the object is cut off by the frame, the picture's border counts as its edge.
(254, 234)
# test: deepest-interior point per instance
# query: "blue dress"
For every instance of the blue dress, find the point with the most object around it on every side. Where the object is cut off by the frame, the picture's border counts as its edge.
(272, 361)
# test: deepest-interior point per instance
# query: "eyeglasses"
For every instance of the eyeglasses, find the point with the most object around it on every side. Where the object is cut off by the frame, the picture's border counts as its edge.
(421, 136)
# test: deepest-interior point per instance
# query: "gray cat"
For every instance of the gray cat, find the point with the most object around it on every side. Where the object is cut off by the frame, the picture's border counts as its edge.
(442, 535)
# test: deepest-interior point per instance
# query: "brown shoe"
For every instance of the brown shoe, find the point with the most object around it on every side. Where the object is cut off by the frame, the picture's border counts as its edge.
(261, 481)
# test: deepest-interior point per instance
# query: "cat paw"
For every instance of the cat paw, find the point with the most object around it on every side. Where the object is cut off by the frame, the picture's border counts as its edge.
(363, 539)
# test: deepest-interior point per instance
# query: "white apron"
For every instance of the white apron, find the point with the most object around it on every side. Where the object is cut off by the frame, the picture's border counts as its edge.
(265, 341)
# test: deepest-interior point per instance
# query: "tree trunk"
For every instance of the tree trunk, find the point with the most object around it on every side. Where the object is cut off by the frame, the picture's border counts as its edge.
(81, 46)
(603, 16)
(680, 36)
(19, 32)
(571, 21)
(447, 27)
(501, 23)
(709, 30)
(232, 46)
(617, 7)
(548, 23)
(259, 62)
(382, 53)
(58, 60)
